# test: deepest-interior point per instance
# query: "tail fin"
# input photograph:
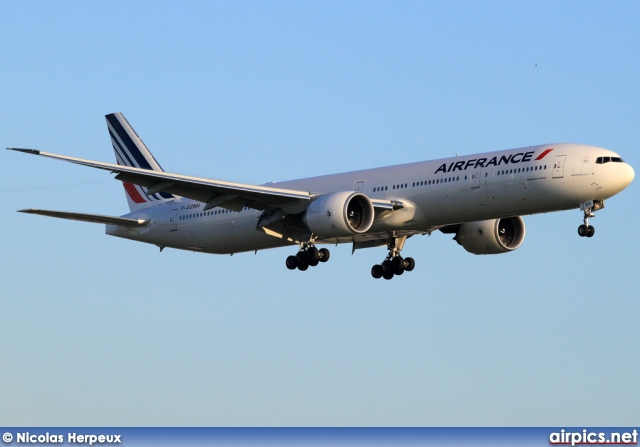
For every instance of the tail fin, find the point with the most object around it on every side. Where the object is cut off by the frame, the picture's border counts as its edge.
(131, 151)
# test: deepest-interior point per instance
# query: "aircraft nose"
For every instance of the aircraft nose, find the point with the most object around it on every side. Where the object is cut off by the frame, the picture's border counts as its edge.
(627, 175)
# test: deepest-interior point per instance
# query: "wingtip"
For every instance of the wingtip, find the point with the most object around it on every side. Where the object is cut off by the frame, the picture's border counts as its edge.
(26, 151)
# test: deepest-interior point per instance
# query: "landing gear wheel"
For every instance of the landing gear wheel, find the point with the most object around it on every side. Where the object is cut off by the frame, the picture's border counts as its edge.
(394, 264)
(398, 265)
(324, 254)
(409, 264)
(583, 230)
(387, 269)
(303, 267)
(586, 230)
(292, 262)
(313, 255)
(303, 261)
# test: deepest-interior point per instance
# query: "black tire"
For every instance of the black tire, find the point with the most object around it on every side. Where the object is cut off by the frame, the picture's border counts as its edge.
(302, 266)
(376, 271)
(582, 230)
(324, 255)
(387, 266)
(398, 265)
(313, 256)
(590, 231)
(292, 262)
(387, 274)
(315, 262)
(409, 264)
(303, 262)
(302, 257)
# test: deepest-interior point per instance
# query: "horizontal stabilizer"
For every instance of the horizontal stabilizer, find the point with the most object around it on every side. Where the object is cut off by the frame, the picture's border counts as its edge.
(94, 218)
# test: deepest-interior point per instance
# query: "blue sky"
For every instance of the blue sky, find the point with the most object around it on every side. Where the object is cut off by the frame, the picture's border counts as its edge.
(101, 331)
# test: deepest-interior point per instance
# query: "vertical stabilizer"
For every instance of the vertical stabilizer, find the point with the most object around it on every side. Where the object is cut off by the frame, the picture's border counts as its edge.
(131, 151)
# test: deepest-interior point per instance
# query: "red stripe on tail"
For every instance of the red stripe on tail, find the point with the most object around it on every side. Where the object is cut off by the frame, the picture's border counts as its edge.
(133, 192)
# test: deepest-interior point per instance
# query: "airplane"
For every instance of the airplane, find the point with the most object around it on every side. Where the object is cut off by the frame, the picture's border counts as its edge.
(479, 198)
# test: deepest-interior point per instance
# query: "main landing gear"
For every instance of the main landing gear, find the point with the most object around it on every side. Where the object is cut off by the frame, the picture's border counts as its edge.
(586, 230)
(394, 264)
(308, 255)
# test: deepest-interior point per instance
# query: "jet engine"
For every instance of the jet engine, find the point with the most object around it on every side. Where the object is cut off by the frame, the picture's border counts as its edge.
(340, 214)
(493, 236)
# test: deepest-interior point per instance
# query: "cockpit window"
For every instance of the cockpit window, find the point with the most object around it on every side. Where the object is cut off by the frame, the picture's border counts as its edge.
(603, 160)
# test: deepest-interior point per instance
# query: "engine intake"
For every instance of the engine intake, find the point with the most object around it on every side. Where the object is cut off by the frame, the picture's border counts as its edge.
(493, 236)
(340, 214)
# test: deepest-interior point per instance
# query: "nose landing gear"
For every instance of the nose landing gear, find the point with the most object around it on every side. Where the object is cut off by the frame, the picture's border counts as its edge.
(586, 230)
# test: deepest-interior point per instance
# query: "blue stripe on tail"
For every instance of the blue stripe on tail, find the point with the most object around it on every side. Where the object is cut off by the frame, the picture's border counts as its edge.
(132, 151)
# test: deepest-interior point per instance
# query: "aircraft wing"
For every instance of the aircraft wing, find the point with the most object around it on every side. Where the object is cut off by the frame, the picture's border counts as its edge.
(212, 192)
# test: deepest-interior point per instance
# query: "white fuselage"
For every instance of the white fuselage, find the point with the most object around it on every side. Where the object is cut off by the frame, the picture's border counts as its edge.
(434, 193)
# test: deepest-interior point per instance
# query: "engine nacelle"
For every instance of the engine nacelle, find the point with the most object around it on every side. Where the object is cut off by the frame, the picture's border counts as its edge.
(340, 214)
(487, 237)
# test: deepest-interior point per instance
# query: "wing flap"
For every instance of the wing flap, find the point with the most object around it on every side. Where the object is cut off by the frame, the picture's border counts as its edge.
(84, 217)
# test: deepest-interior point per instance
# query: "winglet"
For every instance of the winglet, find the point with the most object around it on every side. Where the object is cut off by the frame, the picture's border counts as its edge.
(26, 151)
